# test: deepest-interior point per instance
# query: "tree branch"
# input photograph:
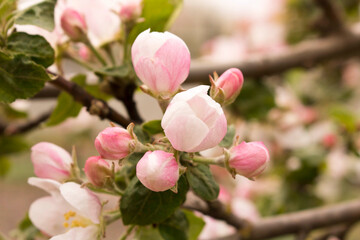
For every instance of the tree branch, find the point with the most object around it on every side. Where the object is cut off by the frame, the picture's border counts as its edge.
(306, 55)
(290, 223)
(332, 15)
(13, 129)
(93, 105)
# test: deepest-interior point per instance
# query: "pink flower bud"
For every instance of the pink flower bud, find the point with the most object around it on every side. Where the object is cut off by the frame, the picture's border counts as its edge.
(73, 24)
(97, 170)
(113, 143)
(51, 161)
(193, 121)
(249, 159)
(227, 87)
(130, 10)
(158, 170)
(161, 61)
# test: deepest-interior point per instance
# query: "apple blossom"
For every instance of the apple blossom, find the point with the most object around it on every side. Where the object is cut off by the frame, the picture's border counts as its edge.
(158, 170)
(130, 10)
(51, 161)
(194, 121)
(74, 25)
(227, 87)
(97, 170)
(249, 159)
(161, 61)
(113, 143)
(71, 212)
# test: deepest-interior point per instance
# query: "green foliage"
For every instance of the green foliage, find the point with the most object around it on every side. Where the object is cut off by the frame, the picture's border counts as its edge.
(6, 9)
(158, 15)
(9, 113)
(196, 224)
(142, 206)
(229, 137)
(66, 107)
(152, 127)
(141, 134)
(26, 230)
(344, 117)
(255, 100)
(33, 46)
(93, 89)
(20, 77)
(128, 170)
(5, 165)
(12, 144)
(41, 15)
(176, 227)
(148, 233)
(118, 71)
(202, 182)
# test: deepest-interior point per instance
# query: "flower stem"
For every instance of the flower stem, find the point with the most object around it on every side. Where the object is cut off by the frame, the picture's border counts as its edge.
(127, 233)
(214, 161)
(96, 53)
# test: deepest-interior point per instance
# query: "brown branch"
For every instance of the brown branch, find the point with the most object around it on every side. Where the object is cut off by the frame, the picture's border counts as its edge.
(290, 223)
(307, 54)
(333, 16)
(13, 129)
(93, 105)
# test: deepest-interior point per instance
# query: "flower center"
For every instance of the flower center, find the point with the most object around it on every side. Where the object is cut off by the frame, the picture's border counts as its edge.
(73, 220)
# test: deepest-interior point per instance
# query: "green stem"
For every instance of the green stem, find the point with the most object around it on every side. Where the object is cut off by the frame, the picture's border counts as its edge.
(96, 53)
(127, 233)
(113, 218)
(80, 62)
(214, 161)
(108, 51)
(125, 45)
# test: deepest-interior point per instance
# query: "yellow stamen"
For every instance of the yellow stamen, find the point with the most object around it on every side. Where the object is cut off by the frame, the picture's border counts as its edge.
(66, 225)
(69, 214)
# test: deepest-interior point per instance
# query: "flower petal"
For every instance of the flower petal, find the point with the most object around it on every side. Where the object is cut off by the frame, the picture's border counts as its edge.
(79, 233)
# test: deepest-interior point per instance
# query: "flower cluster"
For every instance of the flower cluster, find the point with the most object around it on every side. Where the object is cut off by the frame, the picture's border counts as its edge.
(193, 121)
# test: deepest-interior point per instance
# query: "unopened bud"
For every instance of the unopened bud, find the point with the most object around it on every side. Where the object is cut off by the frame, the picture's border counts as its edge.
(158, 170)
(113, 143)
(51, 161)
(249, 159)
(130, 10)
(227, 87)
(74, 25)
(97, 170)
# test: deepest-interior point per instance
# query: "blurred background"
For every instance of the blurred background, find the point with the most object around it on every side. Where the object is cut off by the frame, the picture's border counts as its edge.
(307, 117)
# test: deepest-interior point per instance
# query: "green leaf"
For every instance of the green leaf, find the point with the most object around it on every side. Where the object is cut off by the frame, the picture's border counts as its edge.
(66, 107)
(93, 89)
(196, 224)
(41, 15)
(158, 15)
(176, 227)
(141, 134)
(33, 46)
(202, 182)
(142, 206)
(255, 101)
(12, 144)
(229, 137)
(11, 113)
(128, 170)
(147, 233)
(152, 127)
(118, 71)
(26, 230)
(344, 117)
(20, 77)
(5, 166)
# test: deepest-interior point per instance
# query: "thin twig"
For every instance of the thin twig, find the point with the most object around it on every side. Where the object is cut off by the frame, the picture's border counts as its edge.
(14, 129)
(93, 105)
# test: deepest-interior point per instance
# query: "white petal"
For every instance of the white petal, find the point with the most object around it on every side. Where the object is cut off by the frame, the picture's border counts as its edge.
(47, 214)
(86, 202)
(48, 185)
(79, 233)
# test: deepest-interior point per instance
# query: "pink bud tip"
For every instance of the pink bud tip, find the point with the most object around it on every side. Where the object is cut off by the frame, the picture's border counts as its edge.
(230, 82)
(130, 10)
(73, 24)
(158, 170)
(51, 161)
(249, 159)
(97, 170)
(113, 143)
(161, 61)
